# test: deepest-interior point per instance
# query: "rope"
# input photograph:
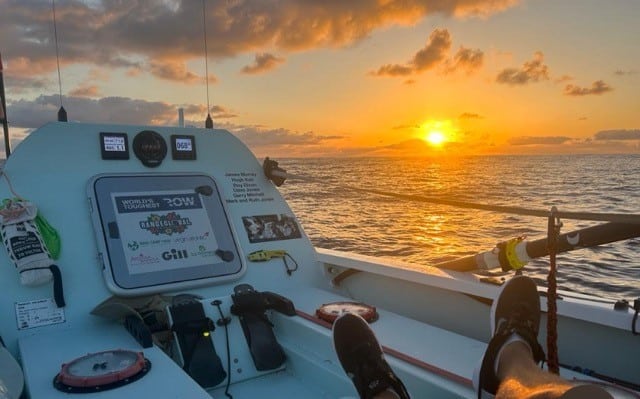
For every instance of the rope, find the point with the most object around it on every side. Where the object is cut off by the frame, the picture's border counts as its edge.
(6, 177)
(552, 309)
(514, 210)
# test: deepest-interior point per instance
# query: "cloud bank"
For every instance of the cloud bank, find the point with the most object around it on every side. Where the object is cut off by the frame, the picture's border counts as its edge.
(160, 36)
(618, 134)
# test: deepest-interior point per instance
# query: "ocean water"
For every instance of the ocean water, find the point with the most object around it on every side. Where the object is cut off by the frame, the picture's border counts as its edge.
(337, 217)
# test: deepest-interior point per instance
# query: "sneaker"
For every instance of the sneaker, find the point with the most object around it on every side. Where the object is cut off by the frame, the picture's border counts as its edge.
(515, 316)
(362, 359)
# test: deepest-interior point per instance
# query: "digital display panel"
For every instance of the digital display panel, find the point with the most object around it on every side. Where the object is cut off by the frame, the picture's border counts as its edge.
(162, 232)
(114, 145)
(183, 147)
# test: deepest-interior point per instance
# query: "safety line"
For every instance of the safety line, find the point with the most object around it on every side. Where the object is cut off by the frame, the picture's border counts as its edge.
(514, 210)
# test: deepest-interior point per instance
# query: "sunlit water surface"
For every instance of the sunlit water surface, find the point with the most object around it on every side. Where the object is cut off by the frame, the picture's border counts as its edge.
(336, 217)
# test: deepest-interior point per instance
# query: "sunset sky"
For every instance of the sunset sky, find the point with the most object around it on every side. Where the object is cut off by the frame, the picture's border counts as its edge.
(338, 77)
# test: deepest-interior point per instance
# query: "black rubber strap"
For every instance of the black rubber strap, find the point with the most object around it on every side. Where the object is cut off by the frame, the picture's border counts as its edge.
(58, 292)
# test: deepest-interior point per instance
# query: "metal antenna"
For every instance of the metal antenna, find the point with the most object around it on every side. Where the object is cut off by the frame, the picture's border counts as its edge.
(3, 115)
(209, 122)
(62, 113)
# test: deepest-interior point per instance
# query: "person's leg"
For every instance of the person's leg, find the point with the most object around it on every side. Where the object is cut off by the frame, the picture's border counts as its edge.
(522, 378)
(362, 359)
(510, 368)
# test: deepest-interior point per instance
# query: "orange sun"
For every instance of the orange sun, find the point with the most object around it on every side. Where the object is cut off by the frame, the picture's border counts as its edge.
(437, 133)
(435, 137)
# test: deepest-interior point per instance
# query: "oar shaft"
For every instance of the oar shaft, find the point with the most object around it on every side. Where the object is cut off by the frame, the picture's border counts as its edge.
(583, 238)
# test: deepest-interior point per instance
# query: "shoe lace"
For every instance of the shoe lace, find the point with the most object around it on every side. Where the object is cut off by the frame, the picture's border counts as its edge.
(374, 375)
(521, 323)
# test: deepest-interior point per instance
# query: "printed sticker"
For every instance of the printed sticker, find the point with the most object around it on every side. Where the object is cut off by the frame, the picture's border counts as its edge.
(271, 228)
(38, 313)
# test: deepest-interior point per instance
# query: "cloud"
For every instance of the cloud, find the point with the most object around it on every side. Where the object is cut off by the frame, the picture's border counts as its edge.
(434, 52)
(621, 72)
(598, 87)
(85, 91)
(465, 59)
(263, 62)
(35, 113)
(393, 70)
(217, 111)
(470, 115)
(563, 78)
(531, 71)
(405, 127)
(260, 136)
(130, 34)
(618, 134)
(175, 71)
(539, 140)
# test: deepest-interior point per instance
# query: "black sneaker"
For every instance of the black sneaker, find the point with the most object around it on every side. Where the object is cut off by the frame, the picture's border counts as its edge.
(516, 310)
(362, 359)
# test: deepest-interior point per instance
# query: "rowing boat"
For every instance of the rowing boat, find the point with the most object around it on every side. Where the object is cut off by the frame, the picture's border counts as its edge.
(169, 265)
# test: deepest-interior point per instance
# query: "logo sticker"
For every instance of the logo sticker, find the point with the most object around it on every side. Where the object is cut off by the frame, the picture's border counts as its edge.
(203, 252)
(175, 254)
(143, 259)
(165, 224)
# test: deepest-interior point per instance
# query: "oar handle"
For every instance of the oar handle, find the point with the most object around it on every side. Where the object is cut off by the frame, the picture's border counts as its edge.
(584, 238)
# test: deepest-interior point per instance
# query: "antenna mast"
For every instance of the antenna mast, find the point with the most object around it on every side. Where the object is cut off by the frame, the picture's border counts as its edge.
(209, 122)
(62, 113)
(3, 114)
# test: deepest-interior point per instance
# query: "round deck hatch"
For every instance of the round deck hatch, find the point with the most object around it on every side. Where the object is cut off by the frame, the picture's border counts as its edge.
(101, 371)
(331, 311)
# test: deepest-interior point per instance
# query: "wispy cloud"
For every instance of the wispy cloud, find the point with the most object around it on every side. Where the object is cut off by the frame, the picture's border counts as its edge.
(539, 140)
(175, 71)
(465, 59)
(622, 72)
(434, 55)
(263, 62)
(618, 134)
(470, 115)
(531, 71)
(258, 136)
(85, 91)
(598, 87)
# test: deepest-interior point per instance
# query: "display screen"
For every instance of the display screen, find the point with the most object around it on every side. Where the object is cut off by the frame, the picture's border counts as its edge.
(183, 147)
(163, 232)
(114, 146)
(183, 144)
(114, 143)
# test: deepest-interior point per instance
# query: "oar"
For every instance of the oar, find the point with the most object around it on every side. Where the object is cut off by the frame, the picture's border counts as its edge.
(526, 250)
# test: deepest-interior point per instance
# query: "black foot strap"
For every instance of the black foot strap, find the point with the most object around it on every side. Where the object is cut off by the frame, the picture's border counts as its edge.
(250, 306)
(192, 328)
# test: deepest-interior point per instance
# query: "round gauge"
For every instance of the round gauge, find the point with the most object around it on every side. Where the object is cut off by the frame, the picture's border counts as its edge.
(150, 148)
(331, 311)
(101, 371)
